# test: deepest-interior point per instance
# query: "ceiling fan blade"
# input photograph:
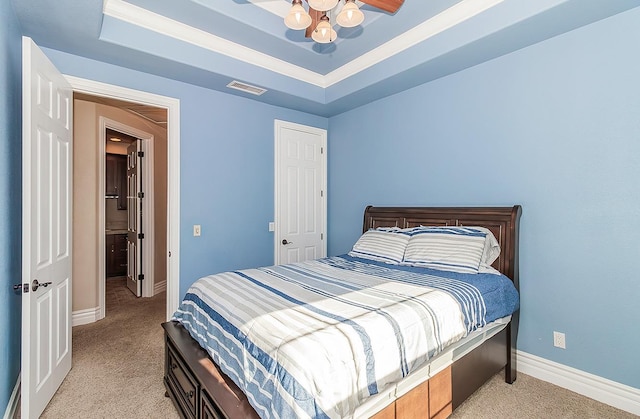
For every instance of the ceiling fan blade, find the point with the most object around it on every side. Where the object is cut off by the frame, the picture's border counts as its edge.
(390, 6)
(315, 18)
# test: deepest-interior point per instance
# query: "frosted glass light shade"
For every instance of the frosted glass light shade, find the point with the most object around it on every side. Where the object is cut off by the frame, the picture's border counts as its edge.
(350, 15)
(322, 5)
(324, 33)
(298, 18)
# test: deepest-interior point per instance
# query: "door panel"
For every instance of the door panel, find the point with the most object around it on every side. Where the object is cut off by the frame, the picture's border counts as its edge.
(64, 312)
(300, 191)
(46, 232)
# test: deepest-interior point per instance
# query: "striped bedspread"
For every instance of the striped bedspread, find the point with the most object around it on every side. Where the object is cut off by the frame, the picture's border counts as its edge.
(317, 338)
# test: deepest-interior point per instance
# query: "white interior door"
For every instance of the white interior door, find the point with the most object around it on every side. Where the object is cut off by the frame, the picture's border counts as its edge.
(134, 216)
(300, 217)
(46, 229)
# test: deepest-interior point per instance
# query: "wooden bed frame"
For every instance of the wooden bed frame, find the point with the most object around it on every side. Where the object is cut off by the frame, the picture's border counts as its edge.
(199, 390)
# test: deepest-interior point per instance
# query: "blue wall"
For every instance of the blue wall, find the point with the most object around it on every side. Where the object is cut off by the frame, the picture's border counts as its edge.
(11, 202)
(554, 127)
(226, 167)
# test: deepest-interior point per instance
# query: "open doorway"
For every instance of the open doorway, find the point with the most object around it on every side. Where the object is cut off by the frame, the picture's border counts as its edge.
(172, 251)
(98, 121)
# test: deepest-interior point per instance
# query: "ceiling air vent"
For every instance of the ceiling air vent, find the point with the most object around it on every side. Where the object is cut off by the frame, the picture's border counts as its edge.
(246, 88)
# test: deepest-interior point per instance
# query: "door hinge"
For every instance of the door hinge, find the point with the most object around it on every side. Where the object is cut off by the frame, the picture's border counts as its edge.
(140, 194)
(141, 235)
(321, 236)
(321, 194)
(321, 150)
(140, 277)
(140, 153)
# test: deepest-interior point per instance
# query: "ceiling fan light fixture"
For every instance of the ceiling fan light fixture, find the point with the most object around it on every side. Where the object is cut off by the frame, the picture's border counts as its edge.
(350, 15)
(324, 33)
(322, 5)
(298, 18)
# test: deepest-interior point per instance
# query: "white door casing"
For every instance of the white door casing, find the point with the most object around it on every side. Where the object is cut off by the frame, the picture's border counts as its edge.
(46, 230)
(172, 105)
(300, 192)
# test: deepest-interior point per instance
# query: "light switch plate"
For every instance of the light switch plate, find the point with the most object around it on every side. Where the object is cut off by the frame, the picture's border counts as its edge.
(197, 230)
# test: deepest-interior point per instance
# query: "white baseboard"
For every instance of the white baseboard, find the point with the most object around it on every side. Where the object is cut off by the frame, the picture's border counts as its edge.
(606, 391)
(159, 287)
(14, 401)
(87, 316)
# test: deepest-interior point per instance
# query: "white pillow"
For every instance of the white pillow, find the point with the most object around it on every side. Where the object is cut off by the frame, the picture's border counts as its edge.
(491, 247)
(458, 249)
(384, 244)
(491, 250)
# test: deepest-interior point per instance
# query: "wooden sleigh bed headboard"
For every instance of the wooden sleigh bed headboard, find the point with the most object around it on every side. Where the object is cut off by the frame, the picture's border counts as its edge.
(502, 221)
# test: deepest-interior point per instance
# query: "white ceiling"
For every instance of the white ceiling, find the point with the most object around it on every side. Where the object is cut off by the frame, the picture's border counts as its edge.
(213, 42)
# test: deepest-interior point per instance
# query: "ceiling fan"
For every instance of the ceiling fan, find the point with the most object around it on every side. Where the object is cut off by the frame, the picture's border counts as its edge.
(316, 21)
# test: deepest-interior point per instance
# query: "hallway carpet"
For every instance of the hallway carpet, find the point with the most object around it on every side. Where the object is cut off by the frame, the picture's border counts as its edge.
(117, 365)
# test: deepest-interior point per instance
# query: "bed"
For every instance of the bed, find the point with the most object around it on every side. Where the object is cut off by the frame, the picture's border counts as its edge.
(429, 377)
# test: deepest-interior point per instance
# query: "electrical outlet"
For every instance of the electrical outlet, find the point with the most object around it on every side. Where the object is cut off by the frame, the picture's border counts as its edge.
(197, 230)
(558, 340)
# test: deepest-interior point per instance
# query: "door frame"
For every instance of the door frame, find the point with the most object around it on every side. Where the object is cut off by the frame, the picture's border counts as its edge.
(148, 170)
(172, 105)
(278, 125)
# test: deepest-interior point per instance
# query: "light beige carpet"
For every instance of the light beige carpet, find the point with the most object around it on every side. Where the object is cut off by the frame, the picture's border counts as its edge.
(118, 368)
(117, 365)
(530, 398)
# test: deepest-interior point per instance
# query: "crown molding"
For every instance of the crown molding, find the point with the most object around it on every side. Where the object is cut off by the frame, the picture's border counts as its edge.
(138, 16)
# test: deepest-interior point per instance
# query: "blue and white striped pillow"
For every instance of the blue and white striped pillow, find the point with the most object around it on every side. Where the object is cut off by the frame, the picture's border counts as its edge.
(458, 249)
(384, 244)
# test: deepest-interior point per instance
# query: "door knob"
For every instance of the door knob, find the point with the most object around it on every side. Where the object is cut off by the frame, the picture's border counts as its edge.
(35, 285)
(285, 242)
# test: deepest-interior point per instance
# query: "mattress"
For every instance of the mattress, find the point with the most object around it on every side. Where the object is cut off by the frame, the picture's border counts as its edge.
(329, 337)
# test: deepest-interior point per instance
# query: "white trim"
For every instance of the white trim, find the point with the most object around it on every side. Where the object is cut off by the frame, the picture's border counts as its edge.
(278, 125)
(90, 315)
(102, 270)
(138, 16)
(606, 391)
(14, 401)
(173, 165)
